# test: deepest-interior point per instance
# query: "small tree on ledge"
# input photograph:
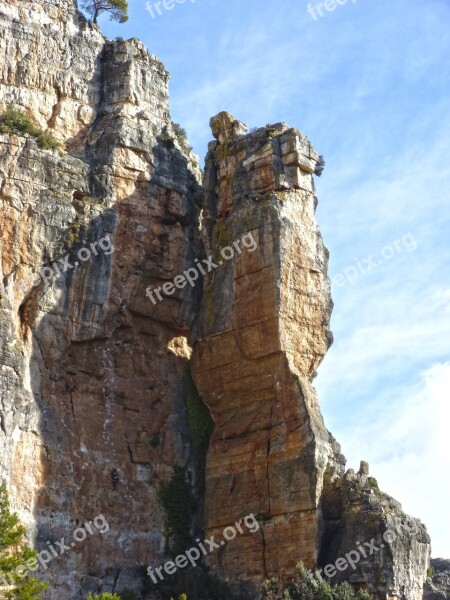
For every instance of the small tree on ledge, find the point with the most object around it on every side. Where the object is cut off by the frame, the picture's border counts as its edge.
(118, 9)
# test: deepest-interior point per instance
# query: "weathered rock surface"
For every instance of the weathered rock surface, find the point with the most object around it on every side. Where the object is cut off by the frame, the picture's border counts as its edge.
(51, 63)
(389, 550)
(261, 333)
(92, 408)
(437, 586)
(91, 371)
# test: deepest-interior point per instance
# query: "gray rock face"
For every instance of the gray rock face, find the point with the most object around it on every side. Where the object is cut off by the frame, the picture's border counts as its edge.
(92, 401)
(437, 586)
(376, 543)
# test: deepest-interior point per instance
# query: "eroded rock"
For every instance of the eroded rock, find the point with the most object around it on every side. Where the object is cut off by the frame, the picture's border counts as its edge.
(93, 417)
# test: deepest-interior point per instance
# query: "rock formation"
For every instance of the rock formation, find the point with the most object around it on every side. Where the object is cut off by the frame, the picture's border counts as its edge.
(438, 582)
(262, 331)
(93, 372)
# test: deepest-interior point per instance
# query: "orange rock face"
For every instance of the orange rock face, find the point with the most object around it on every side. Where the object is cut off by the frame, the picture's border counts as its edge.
(91, 371)
(262, 331)
(94, 407)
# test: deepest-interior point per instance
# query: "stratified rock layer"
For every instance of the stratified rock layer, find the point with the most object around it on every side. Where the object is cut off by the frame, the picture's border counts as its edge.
(261, 333)
(92, 371)
(92, 408)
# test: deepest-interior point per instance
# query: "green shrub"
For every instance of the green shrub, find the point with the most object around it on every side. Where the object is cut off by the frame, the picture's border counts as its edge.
(179, 506)
(14, 553)
(167, 138)
(430, 572)
(201, 425)
(47, 141)
(308, 585)
(181, 136)
(373, 483)
(15, 121)
(320, 166)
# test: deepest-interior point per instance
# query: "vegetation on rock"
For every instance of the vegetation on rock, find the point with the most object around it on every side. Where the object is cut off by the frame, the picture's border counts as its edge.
(181, 136)
(117, 9)
(308, 585)
(201, 425)
(179, 505)
(16, 557)
(15, 121)
(320, 166)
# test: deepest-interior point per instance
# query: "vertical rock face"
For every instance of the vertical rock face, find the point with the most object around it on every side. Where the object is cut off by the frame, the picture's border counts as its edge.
(92, 411)
(261, 333)
(92, 370)
(438, 582)
(50, 64)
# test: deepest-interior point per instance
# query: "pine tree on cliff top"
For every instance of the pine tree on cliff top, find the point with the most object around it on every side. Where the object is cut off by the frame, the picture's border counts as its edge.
(16, 558)
(117, 9)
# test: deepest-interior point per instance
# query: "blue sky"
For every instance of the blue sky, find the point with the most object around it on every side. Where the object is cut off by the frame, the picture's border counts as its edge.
(369, 84)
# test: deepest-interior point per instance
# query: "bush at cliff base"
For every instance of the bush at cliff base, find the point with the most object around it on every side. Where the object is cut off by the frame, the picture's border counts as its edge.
(15, 556)
(307, 585)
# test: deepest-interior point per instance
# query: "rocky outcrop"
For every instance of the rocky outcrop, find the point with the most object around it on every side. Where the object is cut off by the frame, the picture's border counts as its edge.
(261, 333)
(92, 372)
(437, 586)
(369, 541)
(93, 368)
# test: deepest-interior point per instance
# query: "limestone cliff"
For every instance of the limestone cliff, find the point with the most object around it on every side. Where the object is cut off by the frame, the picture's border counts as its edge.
(438, 582)
(261, 332)
(93, 373)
